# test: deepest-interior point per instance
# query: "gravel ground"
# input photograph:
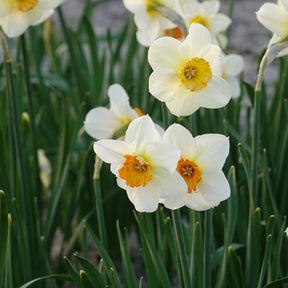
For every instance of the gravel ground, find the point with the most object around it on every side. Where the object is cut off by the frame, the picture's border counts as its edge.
(248, 37)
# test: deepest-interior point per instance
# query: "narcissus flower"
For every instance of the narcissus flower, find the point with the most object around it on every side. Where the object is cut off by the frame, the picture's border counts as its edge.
(144, 165)
(232, 66)
(188, 75)
(150, 23)
(17, 15)
(286, 231)
(275, 18)
(205, 13)
(101, 123)
(200, 165)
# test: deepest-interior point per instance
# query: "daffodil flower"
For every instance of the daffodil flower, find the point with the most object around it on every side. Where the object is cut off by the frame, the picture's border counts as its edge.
(205, 13)
(188, 75)
(144, 165)
(275, 18)
(150, 23)
(17, 15)
(101, 123)
(200, 165)
(233, 65)
(286, 231)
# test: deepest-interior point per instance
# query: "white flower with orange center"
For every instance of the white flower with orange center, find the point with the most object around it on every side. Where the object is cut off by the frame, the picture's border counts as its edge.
(205, 13)
(275, 18)
(188, 75)
(233, 65)
(150, 23)
(144, 165)
(101, 123)
(17, 15)
(200, 165)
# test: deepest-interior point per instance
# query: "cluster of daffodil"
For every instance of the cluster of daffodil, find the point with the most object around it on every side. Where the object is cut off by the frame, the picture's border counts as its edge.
(171, 167)
(17, 15)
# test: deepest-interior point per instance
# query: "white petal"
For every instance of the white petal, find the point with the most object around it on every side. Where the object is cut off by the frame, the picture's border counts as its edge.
(179, 136)
(140, 132)
(15, 24)
(184, 103)
(212, 54)
(198, 38)
(144, 199)
(274, 18)
(214, 186)
(285, 4)
(134, 5)
(5, 8)
(213, 150)
(216, 94)
(100, 123)
(233, 64)
(164, 155)
(234, 84)
(37, 16)
(119, 102)
(197, 202)
(163, 52)
(211, 7)
(219, 23)
(163, 84)
(49, 4)
(112, 151)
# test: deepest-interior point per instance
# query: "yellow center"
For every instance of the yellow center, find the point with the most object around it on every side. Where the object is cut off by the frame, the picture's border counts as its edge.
(195, 74)
(135, 171)
(151, 6)
(24, 5)
(201, 20)
(190, 172)
(175, 33)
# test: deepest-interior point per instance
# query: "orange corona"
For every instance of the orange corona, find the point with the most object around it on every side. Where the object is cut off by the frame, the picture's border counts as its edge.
(135, 171)
(190, 172)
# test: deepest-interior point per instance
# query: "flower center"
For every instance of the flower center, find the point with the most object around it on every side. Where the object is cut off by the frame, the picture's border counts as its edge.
(24, 5)
(135, 171)
(151, 6)
(190, 172)
(175, 33)
(199, 19)
(195, 74)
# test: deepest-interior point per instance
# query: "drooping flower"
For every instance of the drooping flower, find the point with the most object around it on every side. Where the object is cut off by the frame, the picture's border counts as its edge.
(144, 165)
(275, 18)
(150, 23)
(205, 13)
(187, 75)
(101, 123)
(17, 15)
(232, 66)
(200, 165)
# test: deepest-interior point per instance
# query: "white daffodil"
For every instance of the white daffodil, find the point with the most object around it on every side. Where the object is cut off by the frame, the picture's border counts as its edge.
(274, 17)
(17, 15)
(286, 231)
(205, 13)
(233, 65)
(200, 165)
(150, 23)
(144, 165)
(101, 123)
(188, 75)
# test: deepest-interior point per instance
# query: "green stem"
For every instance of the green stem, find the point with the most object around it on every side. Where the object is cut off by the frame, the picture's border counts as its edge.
(207, 249)
(177, 223)
(165, 116)
(31, 111)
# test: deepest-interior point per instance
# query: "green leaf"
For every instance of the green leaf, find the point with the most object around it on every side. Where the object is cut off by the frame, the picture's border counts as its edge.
(91, 272)
(235, 269)
(63, 277)
(3, 235)
(74, 274)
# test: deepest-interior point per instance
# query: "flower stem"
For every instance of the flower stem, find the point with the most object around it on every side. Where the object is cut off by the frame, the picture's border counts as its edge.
(177, 223)
(207, 249)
